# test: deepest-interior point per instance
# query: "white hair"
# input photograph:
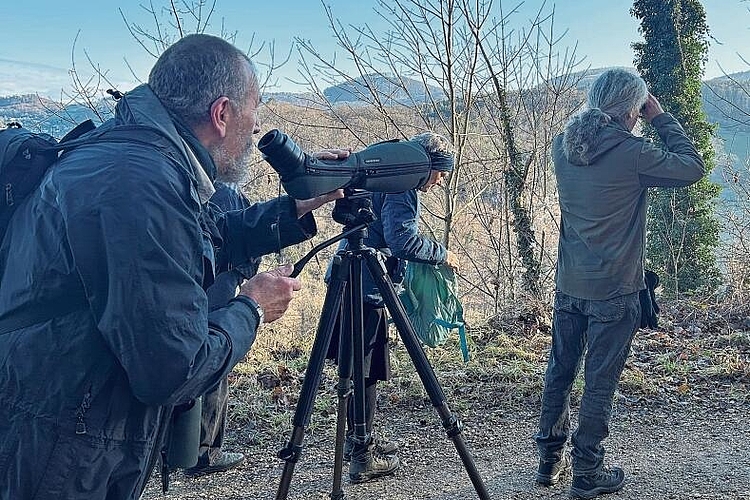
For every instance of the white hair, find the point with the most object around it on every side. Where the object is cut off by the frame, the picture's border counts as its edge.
(614, 96)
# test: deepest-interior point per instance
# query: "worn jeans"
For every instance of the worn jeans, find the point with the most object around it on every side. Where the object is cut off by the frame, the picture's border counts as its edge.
(604, 330)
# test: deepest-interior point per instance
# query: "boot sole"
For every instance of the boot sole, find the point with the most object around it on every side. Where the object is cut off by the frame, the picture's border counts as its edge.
(211, 469)
(599, 490)
(363, 478)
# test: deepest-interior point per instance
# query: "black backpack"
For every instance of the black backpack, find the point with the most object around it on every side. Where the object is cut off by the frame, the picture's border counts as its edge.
(24, 158)
(649, 308)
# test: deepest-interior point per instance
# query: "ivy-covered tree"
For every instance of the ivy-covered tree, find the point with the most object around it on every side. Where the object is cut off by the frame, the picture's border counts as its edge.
(683, 231)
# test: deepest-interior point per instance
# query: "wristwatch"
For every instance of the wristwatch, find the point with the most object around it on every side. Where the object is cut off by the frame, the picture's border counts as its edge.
(256, 308)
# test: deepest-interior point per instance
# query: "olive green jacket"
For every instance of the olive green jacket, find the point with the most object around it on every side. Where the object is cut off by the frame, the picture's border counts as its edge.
(603, 205)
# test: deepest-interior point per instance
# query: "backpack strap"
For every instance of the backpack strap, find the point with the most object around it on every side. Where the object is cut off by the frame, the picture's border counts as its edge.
(79, 130)
(461, 327)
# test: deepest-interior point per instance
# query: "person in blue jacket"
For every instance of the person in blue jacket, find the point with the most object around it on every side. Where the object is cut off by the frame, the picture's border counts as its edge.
(105, 269)
(395, 233)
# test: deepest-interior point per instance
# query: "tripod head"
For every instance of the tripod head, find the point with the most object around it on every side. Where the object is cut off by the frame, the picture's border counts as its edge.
(355, 212)
(354, 208)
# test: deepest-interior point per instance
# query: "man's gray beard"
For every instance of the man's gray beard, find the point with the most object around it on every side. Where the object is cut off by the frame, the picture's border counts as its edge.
(232, 171)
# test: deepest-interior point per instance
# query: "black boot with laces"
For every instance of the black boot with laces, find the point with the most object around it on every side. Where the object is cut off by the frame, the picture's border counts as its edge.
(367, 464)
(603, 481)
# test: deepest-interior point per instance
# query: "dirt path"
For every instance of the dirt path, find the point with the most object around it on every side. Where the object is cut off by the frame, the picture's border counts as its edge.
(668, 452)
(680, 426)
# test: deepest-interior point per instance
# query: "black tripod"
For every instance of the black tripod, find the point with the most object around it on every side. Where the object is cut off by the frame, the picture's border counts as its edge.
(355, 213)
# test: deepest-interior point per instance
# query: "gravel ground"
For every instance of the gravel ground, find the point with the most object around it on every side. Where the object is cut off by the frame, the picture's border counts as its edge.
(675, 451)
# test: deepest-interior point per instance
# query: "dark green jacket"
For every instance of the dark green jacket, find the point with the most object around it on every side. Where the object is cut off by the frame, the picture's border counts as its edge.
(603, 205)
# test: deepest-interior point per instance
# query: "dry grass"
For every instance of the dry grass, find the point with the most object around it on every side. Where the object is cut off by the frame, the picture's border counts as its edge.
(697, 351)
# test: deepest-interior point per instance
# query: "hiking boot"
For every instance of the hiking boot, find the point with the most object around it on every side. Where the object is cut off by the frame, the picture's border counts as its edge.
(549, 473)
(366, 464)
(225, 462)
(382, 447)
(604, 481)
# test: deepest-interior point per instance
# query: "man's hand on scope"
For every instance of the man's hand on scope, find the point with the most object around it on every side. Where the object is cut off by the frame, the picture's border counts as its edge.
(333, 154)
(305, 206)
(272, 290)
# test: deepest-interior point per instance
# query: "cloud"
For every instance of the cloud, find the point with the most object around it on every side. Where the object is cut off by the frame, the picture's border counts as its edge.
(20, 78)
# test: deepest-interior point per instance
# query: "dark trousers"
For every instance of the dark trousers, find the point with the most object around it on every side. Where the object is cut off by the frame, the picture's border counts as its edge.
(604, 331)
(377, 361)
(377, 365)
(371, 398)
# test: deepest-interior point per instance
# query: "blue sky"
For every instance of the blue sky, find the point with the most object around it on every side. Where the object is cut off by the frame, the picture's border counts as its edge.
(41, 33)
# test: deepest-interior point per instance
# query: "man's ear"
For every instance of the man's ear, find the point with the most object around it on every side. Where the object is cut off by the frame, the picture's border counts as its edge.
(219, 114)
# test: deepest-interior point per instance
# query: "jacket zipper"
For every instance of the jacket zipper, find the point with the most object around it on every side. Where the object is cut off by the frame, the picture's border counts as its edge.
(81, 412)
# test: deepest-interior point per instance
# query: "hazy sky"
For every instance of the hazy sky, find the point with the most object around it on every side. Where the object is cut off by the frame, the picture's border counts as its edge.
(42, 32)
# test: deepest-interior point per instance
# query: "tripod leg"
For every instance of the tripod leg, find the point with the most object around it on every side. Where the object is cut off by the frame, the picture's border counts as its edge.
(358, 353)
(331, 307)
(344, 394)
(351, 389)
(451, 423)
(345, 387)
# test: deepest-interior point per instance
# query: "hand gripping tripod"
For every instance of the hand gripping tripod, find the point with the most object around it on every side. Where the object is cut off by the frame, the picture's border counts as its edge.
(343, 302)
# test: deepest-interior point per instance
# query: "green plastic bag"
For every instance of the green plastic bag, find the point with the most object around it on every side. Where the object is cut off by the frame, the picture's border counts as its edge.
(430, 298)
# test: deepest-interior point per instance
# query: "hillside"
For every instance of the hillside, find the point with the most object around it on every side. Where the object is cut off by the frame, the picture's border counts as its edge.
(726, 101)
(391, 91)
(39, 113)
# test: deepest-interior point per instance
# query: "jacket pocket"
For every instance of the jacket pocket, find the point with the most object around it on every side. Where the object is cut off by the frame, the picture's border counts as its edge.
(79, 466)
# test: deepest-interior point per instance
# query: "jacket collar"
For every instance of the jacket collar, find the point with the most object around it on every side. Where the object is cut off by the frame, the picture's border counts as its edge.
(204, 186)
(142, 107)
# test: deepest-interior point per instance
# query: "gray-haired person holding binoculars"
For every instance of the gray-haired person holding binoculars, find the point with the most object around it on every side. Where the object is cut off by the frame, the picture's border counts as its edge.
(603, 172)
